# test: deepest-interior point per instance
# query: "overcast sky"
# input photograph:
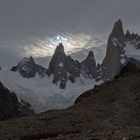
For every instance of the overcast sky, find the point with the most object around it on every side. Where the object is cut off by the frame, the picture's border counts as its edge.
(22, 21)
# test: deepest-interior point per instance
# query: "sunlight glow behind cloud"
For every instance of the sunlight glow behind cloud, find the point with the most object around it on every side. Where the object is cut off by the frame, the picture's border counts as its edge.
(72, 43)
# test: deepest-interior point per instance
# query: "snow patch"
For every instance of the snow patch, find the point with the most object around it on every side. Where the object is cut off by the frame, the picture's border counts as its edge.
(131, 51)
(61, 64)
(115, 41)
(123, 60)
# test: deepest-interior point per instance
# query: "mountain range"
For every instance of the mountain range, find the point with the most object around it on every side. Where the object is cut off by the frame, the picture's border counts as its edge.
(108, 109)
(64, 68)
(65, 77)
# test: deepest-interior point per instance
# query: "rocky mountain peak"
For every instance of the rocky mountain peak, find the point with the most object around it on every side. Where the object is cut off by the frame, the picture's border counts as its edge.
(112, 62)
(118, 31)
(31, 60)
(59, 52)
(58, 59)
(28, 68)
(60, 48)
(59, 55)
(90, 55)
(27, 61)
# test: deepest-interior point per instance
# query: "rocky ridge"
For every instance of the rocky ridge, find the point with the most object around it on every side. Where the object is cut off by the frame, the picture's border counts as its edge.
(10, 107)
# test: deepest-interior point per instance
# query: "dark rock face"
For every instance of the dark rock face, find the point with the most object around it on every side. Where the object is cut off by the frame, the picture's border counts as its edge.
(88, 66)
(10, 106)
(57, 65)
(118, 32)
(28, 68)
(128, 35)
(112, 62)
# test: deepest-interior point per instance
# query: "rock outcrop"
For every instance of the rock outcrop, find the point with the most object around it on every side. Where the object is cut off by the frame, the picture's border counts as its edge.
(10, 107)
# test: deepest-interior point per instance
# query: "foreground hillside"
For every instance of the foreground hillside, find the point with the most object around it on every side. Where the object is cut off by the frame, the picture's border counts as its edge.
(110, 111)
(10, 107)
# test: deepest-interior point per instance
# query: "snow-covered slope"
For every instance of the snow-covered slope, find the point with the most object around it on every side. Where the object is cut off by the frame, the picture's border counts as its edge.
(131, 51)
(41, 93)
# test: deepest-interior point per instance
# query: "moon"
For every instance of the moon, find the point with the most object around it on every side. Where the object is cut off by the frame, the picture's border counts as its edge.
(58, 38)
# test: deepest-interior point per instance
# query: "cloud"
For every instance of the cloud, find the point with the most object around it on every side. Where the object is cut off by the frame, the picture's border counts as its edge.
(24, 20)
(74, 44)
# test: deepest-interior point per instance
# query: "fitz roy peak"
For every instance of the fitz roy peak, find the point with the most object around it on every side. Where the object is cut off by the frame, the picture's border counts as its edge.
(111, 64)
(120, 49)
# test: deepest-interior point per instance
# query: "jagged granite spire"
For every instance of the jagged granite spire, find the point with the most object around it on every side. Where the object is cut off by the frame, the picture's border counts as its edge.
(58, 60)
(118, 31)
(112, 62)
(57, 66)
(63, 67)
